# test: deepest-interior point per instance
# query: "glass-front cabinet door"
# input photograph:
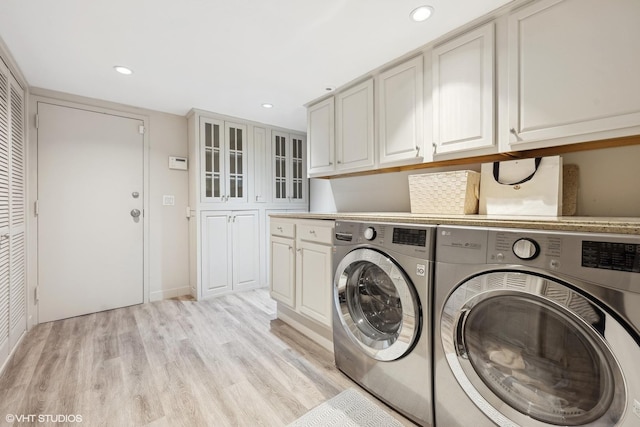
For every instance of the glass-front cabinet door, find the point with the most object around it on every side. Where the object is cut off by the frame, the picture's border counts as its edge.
(298, 175)
(212, 155)
(236, 157)
(280, 167)
(224, 161)
(289, 168)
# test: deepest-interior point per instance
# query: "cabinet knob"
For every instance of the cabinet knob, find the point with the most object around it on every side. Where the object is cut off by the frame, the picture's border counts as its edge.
(339, 162)
(417, 151)
(330, 163)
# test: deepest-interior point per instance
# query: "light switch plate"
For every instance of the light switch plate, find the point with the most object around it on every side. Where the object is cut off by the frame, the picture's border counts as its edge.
(168, 200)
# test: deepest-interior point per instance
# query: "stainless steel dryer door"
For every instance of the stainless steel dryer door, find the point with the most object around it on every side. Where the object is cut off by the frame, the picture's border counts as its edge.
(534, 343)
(377, 304)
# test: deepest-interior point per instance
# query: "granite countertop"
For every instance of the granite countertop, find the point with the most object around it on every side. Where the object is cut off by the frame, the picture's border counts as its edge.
(617, 225)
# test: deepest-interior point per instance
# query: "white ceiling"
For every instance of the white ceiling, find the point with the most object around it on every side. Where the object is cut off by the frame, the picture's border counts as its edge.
(227, 56)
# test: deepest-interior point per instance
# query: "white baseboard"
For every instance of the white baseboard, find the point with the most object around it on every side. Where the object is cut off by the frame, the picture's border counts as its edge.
(169, 293)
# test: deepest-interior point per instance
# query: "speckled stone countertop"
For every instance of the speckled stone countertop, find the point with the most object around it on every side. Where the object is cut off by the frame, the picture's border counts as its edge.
(630, 225)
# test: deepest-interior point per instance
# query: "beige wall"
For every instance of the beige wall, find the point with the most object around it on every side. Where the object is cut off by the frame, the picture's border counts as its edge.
(169, 237)
(168, 254)
(607, 186)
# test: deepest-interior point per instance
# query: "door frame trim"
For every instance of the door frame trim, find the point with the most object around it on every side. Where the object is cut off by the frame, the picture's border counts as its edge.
(32, 186)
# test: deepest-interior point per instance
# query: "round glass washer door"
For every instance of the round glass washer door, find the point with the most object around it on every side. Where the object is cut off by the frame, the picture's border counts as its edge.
(538, 346)
(377, 304)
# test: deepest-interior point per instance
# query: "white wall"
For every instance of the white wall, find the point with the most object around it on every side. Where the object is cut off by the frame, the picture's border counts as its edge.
(608, 181)
(168, 225)
(607, 186)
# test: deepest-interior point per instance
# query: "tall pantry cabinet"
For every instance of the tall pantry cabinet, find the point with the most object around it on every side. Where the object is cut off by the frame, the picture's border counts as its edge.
(239, 171)
(12, 214)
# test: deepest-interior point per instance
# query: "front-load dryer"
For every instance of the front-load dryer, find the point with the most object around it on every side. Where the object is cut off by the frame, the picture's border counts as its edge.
(536, 328)
(381, 312)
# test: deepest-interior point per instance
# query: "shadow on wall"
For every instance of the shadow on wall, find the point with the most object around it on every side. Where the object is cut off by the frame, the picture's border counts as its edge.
(607, 186)
(387, 192)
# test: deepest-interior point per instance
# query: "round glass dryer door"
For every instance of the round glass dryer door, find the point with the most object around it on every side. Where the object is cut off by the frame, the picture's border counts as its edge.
(538, 346)
(377, 304)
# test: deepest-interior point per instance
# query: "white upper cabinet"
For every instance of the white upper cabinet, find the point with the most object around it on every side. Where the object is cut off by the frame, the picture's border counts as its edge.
(355, 128)
(321, 134)
(400, 104)
(289, 175)
(573, 72)
(463, 92)
(224, 166)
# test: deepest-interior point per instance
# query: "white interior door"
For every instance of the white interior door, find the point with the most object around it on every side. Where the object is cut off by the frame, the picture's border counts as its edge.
(90, 245)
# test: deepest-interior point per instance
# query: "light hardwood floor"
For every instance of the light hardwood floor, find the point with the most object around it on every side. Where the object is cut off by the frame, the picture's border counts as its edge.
(222, 362)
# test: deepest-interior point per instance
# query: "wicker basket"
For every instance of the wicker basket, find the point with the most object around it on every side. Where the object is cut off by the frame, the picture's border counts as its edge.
(445, 193)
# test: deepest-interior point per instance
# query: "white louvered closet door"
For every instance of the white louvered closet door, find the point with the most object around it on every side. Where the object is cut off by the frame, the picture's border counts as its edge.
(12, 213)
(17, 279)
(4, 213)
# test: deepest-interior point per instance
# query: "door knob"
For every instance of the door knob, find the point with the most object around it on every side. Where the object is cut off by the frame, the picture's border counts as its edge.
(135, 213)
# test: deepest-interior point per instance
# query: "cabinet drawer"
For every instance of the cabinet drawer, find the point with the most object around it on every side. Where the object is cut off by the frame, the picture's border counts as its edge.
(315, 233)
(284, 229)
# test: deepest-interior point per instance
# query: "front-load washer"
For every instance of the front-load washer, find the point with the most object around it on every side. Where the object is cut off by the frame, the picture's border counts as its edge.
(381, 312)
(536, 328)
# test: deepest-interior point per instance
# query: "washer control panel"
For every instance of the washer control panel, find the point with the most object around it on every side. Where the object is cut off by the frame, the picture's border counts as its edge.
(526, 248)
(621, 256)
(534, 249)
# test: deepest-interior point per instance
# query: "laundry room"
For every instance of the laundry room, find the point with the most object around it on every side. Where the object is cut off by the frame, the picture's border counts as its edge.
(320, 213)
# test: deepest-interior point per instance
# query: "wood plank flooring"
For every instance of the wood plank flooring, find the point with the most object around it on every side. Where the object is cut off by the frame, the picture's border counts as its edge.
(222, 362)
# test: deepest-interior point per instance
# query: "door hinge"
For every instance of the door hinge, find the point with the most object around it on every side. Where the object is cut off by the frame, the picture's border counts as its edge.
(36, 294)
(37, 121)
(141, 130)
(36, 208)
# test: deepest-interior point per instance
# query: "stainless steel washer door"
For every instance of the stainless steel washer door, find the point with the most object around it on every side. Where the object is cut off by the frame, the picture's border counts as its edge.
(535, 344)
(377, 304)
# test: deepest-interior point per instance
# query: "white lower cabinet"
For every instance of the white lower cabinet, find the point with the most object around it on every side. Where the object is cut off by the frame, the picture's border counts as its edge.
(282, 277)
(314, 280)
(230, 251)
(301, 271)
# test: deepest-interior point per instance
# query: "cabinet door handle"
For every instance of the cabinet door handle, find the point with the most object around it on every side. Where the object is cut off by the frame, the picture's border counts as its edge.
(435, 148)
(312, 232)
(330, 163)
(279, 229)
(514, 132)
(417, 151)
(339, 162)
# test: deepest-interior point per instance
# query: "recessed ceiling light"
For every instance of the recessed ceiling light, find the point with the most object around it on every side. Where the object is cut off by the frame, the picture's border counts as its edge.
(123, 70)
(421, 13)
(267, 105)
